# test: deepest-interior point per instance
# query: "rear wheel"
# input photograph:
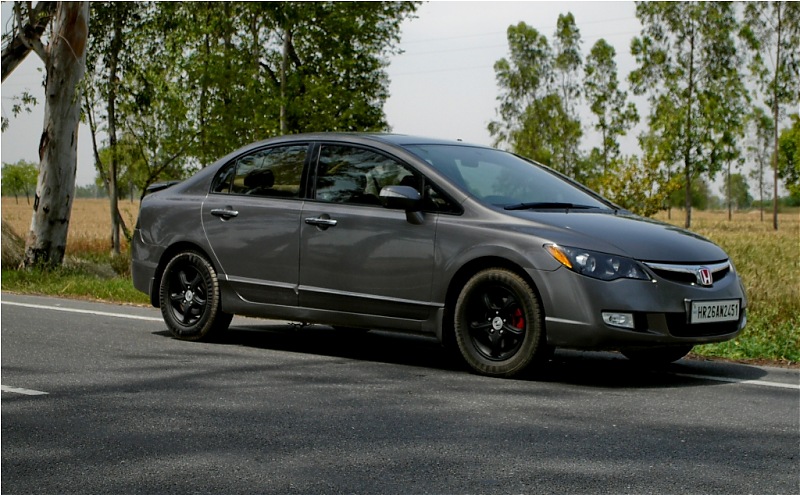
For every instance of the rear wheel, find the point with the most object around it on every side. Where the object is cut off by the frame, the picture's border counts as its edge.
(657, 355)
(190, 298)
(498, 324)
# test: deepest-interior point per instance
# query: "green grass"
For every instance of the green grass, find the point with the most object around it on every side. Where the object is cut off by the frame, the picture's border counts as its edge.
(80, 282)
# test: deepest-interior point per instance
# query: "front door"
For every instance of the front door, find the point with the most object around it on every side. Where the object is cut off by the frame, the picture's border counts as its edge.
(357, 256)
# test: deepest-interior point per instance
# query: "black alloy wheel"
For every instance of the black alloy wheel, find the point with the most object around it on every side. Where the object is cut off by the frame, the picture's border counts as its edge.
(498, 323)
(190, 298)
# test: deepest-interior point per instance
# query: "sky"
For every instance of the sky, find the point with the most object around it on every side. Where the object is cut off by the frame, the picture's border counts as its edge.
(442, 85)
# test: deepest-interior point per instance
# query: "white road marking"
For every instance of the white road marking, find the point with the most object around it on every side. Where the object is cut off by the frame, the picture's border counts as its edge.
(761, 383)
(83, 311)
(23, 391)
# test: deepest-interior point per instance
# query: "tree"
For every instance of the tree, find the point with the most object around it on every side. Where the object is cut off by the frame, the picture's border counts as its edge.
(789, 156)
(700, 195)
(534, 120)
(29, 27)
(758, 149)
(737, 192)
(64, 58)
(567, 63)
(19, 178)
(640, 185)
(773, 29)
(688, 65)
(249, 71)
(112, 53)
(608, 103)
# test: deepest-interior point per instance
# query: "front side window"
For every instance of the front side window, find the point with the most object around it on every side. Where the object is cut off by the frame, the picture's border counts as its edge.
(346, 174)
(353, 175)
(272, 172)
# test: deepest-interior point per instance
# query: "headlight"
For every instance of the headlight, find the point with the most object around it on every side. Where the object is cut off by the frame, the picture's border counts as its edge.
(596, 265)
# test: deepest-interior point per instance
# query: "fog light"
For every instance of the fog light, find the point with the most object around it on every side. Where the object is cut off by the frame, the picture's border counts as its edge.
(624, 320)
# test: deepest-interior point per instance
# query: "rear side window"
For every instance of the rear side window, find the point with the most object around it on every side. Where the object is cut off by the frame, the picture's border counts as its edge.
(271, 172)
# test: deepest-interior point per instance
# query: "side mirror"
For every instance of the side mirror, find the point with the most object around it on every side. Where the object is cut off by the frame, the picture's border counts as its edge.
(401, 198)
(404, 198)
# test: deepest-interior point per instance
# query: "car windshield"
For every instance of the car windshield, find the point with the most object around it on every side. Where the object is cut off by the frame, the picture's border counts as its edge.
(502, 179)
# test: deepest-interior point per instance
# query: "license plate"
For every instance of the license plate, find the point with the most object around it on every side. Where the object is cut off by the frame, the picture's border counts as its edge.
(714, 311)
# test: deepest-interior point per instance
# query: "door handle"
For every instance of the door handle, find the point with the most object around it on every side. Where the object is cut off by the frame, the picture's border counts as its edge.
(224, 213)
(321, 222)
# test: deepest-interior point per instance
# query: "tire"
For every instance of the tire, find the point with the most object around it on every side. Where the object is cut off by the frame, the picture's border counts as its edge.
(190, 299)
(657, 355)
(498, 322)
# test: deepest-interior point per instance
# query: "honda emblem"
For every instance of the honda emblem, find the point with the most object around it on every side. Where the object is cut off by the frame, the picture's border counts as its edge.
(704, 277)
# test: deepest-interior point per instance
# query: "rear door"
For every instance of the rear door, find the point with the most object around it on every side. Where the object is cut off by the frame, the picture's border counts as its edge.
(252, 222)
(357, 256)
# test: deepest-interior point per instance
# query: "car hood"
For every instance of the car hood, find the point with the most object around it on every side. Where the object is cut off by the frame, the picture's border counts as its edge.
(624, 234)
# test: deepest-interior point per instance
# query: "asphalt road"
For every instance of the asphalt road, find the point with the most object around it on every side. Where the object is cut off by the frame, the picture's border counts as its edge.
(98, 398)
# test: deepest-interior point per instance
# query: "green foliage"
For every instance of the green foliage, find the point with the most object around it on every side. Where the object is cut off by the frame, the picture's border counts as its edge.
(19, 178)
(607, 102)
(192, 82)
(737, 190)
(689, 66)
(249, 71)
(700, 195)
(759, 148)
(772, 32)
(537, 92)
(639, 185)
(789, 156)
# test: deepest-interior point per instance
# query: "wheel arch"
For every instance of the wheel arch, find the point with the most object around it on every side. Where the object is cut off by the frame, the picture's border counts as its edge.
(467, 271)
(166, 256)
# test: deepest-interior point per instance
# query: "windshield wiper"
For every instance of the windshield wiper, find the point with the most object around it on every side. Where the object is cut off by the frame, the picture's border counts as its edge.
(549, 206)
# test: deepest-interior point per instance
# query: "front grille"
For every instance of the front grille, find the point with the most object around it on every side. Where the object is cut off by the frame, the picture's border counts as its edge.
(689, 274)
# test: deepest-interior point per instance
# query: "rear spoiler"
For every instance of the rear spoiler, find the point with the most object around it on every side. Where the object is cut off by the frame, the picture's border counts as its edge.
(159, 186)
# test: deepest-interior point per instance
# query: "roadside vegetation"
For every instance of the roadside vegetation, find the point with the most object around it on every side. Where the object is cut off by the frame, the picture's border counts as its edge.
(768, 261)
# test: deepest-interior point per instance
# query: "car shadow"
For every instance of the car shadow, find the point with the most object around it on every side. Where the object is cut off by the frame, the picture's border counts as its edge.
(569, 367)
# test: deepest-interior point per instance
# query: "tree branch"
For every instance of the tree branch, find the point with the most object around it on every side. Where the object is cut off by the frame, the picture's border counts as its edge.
(28, 36)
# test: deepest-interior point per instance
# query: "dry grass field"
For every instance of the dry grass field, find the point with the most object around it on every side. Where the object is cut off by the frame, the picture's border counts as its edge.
(89, 225)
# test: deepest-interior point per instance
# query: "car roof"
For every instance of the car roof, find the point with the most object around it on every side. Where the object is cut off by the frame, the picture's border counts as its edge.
(388, 138)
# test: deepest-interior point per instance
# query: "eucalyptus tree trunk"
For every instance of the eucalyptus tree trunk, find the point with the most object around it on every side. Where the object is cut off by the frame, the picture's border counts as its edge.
(65, 64)
(113, 190)
(775, 115)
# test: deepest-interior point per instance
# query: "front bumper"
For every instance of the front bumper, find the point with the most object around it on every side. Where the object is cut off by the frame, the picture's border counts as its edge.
(574, 304)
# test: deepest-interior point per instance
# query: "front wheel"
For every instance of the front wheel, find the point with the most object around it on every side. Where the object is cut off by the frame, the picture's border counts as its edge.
(499, 324)
(190, 298)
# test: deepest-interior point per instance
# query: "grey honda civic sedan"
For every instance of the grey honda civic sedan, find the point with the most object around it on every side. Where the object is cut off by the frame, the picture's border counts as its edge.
(500, 257)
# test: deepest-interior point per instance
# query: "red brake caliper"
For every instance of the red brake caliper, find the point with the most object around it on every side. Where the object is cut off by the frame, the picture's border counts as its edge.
(519, 321)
